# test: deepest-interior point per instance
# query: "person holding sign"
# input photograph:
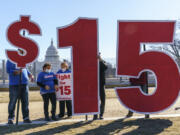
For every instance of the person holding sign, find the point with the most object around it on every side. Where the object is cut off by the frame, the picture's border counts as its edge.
(14, 93)
(48, 84)
(102, 68)
(64, 92)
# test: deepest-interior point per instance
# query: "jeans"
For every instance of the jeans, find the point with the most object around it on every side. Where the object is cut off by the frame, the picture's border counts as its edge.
(13, 96)
(52, 97)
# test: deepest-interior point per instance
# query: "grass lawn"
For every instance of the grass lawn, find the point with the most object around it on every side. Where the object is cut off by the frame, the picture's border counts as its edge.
(36, 106)
(152, 126)
(35, 96)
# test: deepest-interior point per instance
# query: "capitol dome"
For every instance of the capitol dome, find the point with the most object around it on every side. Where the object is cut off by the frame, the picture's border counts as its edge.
(51, 53)
(51, 57)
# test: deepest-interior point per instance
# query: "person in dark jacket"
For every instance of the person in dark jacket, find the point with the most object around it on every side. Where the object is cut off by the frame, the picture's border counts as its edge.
(18, 88)
(102, 69)
(48, 84)
(65, 69)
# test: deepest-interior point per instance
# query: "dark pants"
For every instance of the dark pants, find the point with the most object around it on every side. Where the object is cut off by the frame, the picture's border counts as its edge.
(13, 96)
(52, 97)
(62, 107)
(102, 99)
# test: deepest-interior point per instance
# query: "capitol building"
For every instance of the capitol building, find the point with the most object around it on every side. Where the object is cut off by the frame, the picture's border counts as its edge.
(51, 57)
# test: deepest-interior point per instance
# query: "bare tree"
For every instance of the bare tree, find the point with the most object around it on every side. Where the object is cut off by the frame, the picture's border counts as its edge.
(173, 49)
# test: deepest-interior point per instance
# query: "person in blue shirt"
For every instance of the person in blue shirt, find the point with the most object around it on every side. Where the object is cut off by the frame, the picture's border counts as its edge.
(48, 84)
(65, 69)
(18, 89)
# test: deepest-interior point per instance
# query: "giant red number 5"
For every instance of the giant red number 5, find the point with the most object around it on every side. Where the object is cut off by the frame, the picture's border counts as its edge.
(82, 37)
(131, 63)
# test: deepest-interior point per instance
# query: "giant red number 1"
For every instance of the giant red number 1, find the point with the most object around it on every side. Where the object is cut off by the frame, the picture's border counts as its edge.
(131, 63)
(82, 37)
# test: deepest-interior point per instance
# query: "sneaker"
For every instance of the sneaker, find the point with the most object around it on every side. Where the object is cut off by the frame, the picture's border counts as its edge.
(54, 118)
(60, 116)
(69, 117)
(146, 116)
(95, 117)
(47, 119)
(130, 114)
(27, 121)
(101, 118)
(10, 122)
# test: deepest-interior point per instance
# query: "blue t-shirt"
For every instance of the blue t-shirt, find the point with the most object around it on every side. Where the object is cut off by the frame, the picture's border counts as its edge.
(15, 79)
(46, 79)
(66, 71)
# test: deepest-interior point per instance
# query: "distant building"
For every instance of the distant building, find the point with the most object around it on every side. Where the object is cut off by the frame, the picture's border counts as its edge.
(51, 57)
(111, 71)
(178, 24)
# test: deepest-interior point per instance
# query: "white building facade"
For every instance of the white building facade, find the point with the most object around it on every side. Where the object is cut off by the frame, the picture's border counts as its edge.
(51, 57)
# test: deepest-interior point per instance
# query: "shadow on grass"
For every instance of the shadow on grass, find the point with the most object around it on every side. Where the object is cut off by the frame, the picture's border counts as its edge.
(22, 127)
(60, 129)
(141, 127)
(13, 128)
(121, 126)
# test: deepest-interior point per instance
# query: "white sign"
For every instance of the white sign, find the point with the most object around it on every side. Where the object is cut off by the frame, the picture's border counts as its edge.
(64, 87)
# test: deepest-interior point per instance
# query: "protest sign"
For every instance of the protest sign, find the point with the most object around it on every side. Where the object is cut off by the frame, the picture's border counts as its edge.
(64, 91)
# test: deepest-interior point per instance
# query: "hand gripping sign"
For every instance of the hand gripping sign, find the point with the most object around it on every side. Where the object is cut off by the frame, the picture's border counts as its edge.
(64, 87)
(132, 63)
(29, 46)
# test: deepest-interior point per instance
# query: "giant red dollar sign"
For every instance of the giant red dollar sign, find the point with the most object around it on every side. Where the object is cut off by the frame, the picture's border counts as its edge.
(31, 48)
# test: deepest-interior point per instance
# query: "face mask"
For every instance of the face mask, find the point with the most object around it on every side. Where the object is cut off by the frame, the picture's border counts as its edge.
(48, 70)
(63, 69)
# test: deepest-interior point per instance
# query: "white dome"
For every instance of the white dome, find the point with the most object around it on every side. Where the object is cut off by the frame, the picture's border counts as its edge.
(51, 57)
(51, 53)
